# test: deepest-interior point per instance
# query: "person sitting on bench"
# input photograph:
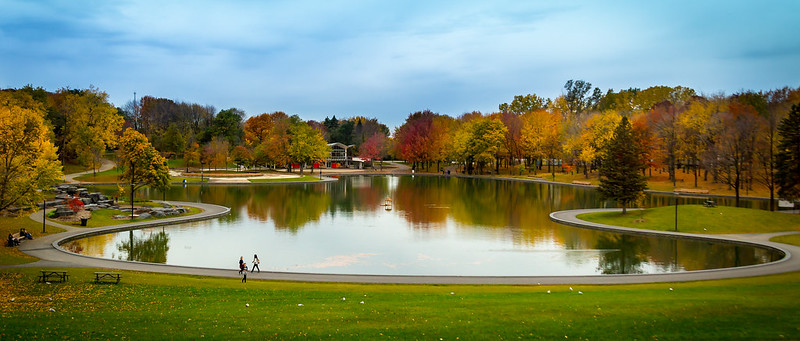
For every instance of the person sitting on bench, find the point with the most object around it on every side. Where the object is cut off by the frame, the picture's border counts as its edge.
(25, 234)
(12, 241)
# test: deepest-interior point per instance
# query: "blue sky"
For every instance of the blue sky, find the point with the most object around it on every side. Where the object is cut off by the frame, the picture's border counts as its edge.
(386, 59)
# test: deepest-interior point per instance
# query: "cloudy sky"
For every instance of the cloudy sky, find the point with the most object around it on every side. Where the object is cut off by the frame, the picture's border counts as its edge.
(386, 59)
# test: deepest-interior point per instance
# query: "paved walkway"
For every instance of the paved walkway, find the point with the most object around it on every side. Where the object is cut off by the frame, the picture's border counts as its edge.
(52, 256)
(104, 166)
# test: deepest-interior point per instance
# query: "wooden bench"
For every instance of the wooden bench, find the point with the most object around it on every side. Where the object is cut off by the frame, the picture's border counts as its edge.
(585, 183)
(107, 277)
(53, 276)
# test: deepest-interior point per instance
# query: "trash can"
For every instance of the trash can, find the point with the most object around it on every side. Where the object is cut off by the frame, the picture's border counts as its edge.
(84, 221)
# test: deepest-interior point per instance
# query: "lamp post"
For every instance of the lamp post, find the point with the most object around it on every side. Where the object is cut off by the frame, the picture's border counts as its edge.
(676, 211)
(44, 213)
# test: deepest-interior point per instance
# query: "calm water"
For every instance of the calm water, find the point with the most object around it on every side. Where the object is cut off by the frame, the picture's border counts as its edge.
(437, 226)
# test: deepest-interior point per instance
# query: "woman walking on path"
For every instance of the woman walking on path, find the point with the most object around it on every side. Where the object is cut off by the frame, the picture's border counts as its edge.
(256, 262)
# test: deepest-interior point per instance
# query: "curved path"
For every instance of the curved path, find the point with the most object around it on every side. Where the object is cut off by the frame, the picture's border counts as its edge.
(104, 166)
(51, 255)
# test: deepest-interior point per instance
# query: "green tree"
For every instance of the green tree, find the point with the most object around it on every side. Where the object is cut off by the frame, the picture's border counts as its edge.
(787, 160)
(523, 104)
(229, 124)
(144, 165)
(28, 160)
(306, 144)
(621, 176)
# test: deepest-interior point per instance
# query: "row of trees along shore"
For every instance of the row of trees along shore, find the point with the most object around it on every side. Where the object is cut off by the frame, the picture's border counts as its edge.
(734, 139)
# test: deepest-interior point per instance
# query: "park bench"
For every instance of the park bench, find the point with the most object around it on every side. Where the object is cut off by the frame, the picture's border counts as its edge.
(107, 277)
(53, 276)
(585, 183)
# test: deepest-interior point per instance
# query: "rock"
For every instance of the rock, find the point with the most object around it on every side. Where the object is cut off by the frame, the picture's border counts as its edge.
(145, 215)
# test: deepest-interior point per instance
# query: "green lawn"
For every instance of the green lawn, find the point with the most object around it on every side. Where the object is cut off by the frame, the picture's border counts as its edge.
(104, 217)
(12, 255)
(112, 176)
(699, 219)
(158, 306)
(108, 176)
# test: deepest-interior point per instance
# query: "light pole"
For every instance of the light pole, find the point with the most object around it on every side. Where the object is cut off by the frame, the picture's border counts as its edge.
(44, 213)
(676, 211)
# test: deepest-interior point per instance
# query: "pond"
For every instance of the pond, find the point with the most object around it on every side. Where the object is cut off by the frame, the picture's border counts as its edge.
(434, 226)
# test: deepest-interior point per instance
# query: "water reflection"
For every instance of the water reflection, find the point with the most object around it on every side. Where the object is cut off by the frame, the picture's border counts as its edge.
(152, 248)
(438, 225)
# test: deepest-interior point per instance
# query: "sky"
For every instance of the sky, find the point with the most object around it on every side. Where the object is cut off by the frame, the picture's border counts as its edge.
(387, 59)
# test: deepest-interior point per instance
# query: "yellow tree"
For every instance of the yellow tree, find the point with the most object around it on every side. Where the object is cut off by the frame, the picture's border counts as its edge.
(541, 135)
(28, 160)
(485, 143)
(144, 165)
(90, 124)
(692, 133)
(597, 131)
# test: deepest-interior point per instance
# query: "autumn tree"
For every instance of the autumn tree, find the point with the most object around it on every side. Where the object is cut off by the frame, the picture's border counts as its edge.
(480, 141)
(541, 136)
(191, 156)
(414, 138)
(90, 126)
(734, 144)
(692, 134)
(242, 157)
(28, 160)
(664, 123)
(374, 148)
(787, 160)
(620, 170)
(144, 166)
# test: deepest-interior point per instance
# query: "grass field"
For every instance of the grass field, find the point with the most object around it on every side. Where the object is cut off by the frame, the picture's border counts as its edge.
(12, 255)
(700, 219)
(157, 306)
(113, 176)
(104, 217)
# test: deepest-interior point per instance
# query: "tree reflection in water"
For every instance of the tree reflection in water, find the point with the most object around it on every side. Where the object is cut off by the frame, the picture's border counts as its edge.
(625, 254)
(151, 249)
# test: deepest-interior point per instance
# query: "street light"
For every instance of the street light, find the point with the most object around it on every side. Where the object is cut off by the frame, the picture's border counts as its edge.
(676, 211)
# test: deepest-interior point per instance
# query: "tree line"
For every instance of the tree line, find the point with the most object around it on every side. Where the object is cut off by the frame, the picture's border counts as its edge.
(733, 139)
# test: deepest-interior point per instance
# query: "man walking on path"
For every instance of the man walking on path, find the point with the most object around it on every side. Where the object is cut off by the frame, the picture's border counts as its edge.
(241, 264)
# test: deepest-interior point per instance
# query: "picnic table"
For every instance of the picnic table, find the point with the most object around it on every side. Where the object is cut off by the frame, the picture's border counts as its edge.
(107, 276)
(53, 276)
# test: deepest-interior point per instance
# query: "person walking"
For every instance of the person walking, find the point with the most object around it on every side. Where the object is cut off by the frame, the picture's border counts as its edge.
(256, 262)
(244, 274)
(241, 264)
